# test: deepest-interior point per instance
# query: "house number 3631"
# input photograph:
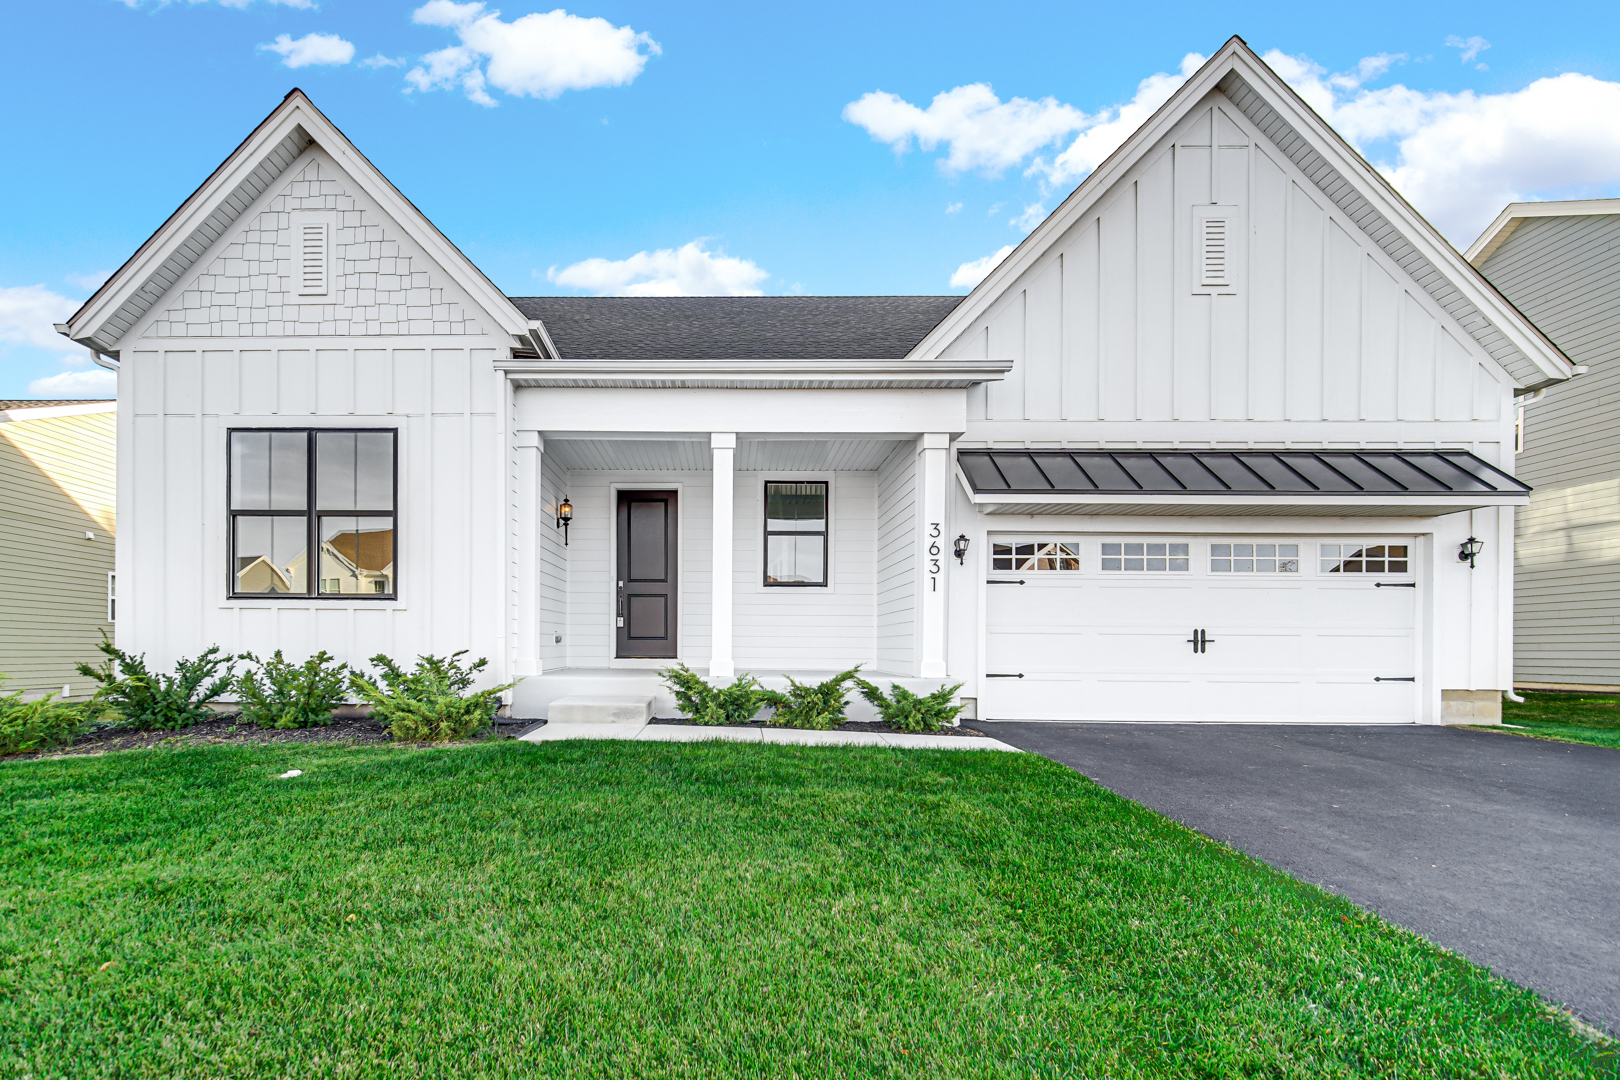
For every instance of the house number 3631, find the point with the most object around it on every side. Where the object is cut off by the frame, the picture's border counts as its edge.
(933, 556)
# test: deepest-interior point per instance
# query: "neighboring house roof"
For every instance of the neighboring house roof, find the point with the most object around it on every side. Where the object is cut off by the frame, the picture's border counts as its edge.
(46, 403)
(1529, 358)
(17, 409)
(368, 549)
(1516, 213)
(736, 327)
(208, 213)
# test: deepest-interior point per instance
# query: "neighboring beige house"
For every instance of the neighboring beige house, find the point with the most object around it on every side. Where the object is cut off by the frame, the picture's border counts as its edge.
(1559, 263)
(58, 481)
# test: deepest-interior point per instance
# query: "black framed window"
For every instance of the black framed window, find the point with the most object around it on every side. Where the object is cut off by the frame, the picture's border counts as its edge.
(328, 490)
(796, 533)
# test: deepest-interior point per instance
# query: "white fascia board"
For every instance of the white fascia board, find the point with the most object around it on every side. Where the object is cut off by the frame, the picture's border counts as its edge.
(43, 412)
(764, 374)
(295, 112)
(1236, 57)
(1509, 219)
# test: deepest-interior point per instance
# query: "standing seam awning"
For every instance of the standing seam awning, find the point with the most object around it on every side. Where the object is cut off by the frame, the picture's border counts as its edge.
(1236, 481)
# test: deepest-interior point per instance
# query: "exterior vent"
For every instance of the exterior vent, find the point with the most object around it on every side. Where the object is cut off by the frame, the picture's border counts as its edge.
(312, 252)
(1217, 248)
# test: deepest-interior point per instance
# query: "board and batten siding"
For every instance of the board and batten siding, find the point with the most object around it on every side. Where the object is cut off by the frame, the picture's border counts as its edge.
(1114, 323)
(1564, 274)
(897, 561)
(176, 407)
(58, 481)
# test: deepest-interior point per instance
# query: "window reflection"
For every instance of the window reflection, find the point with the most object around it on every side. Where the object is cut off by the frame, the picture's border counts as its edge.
(357, 555)
(271, 554)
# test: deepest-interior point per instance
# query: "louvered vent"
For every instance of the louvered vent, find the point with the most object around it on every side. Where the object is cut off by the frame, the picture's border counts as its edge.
(1217, 248)
(312, 258)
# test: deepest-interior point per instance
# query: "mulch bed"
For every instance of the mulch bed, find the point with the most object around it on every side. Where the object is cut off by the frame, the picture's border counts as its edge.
(848, 725)
(226, 729)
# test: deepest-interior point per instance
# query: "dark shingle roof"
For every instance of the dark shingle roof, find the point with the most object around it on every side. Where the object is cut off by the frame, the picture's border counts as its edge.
(45, 403)
(736, 327)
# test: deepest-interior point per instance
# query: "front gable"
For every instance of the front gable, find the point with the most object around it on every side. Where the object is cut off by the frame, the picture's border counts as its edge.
(314, 256)
(1214, 280)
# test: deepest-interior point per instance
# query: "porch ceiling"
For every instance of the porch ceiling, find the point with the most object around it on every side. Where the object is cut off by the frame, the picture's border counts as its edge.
(693, 455)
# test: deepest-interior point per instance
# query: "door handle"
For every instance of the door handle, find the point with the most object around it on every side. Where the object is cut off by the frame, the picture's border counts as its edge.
(1200, 641)
(997, 675)
(1398, 678)
(1002, 581)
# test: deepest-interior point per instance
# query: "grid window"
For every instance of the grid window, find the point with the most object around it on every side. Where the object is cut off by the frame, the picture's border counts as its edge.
(1365, 559)
(796, 534)
(1036, 555)
(302, 490)
(1128, 555)
(1254, 558)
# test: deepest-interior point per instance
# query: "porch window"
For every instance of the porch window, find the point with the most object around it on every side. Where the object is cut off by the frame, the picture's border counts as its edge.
(796, 533)
(293, 491)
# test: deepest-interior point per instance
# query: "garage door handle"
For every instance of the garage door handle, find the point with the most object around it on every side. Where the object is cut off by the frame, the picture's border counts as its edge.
(1002, 581)
(1200, 641)
(1386, 678)
(995, 675)
(1394, 584)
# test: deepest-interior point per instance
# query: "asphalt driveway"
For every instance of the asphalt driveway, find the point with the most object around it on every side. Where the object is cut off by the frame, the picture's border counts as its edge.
(1502, 848)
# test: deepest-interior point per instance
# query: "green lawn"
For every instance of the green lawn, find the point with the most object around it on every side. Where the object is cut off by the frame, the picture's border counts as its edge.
(1583, 718)
(716, 910)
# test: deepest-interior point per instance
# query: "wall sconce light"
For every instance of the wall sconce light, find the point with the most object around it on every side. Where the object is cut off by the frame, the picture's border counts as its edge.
(1469, 549)
(565, 514)
(959, 549)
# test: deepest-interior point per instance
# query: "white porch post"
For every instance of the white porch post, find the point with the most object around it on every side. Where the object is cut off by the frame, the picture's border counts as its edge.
(723, 444)
(933, 544)
(526, 552)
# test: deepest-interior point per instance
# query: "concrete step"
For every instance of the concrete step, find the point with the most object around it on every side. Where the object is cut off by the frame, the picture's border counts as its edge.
(597, 709)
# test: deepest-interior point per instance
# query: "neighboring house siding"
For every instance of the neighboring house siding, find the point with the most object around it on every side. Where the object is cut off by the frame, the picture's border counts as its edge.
(1564, 273)
(57, 482)
(1318, 324)
(897, 561)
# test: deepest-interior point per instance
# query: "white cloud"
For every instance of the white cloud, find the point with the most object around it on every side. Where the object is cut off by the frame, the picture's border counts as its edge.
(1106, 130)
(953, 208)
(96, 383)
(970, 274)
(1470, 46)
(1459, 158)
(537, 55)
(690, 270)
(28, 314)
(88, 281)
(982, 131)
(381, 61)
(1033, 215)
(311, 49)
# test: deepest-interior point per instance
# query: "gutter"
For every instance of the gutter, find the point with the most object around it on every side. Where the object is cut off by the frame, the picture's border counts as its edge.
(100, 358)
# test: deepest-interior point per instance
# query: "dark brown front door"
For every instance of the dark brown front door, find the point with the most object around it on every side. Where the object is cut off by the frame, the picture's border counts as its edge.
(646, 574)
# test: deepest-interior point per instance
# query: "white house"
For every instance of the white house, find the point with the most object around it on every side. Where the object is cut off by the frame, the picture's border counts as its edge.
(1208, 443)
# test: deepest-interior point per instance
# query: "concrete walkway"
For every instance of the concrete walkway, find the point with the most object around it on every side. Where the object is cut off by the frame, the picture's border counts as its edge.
(1503, 848)
(758, 733)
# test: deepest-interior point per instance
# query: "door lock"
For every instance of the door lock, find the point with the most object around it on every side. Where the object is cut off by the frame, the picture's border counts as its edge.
(1200, 641)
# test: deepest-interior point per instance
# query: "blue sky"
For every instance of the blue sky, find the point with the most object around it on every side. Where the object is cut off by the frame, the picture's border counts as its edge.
(768, 148)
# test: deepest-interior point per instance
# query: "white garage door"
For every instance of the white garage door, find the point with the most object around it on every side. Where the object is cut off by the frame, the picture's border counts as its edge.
(1201, 628)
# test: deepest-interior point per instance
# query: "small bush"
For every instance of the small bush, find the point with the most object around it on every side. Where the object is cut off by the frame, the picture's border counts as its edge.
(43, 724)
(735, 704)
(902, 709)
(150, 702)
(431, 703)
(281, 694)
(820, 706)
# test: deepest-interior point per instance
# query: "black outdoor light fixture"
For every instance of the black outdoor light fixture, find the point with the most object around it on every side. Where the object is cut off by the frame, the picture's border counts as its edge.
(565, 514)
(959, 549)
(1469, 549)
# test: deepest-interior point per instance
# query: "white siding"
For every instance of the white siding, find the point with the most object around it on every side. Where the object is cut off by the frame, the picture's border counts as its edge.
(897, 561)
(176, 406)
(552, 579)
(1113, 322)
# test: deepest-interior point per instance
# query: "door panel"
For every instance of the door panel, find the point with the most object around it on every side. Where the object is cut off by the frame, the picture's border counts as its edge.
(646, 612)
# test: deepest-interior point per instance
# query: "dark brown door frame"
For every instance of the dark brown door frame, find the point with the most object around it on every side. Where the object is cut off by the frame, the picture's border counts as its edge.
(650, 601)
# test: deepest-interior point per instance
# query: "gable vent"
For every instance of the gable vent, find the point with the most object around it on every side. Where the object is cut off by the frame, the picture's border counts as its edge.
(1217, 248)
(311, 239)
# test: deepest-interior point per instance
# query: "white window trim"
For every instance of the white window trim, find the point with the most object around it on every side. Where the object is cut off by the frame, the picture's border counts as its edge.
(758, 479)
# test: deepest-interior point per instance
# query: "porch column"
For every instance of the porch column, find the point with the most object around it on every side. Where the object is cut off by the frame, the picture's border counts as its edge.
(525, 599)
(723, 444)
(933, 544)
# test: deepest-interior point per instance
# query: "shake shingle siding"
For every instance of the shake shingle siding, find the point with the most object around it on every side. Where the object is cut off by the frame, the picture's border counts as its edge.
(1564, 274)
(736, 327)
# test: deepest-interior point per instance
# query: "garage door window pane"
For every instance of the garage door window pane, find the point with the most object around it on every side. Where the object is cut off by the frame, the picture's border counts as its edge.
(1146, 556)
(1060, 555)
(1365, 559)
(1254, 558)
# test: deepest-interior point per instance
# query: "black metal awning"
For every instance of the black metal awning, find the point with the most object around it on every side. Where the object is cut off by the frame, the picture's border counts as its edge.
(1402, 482)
